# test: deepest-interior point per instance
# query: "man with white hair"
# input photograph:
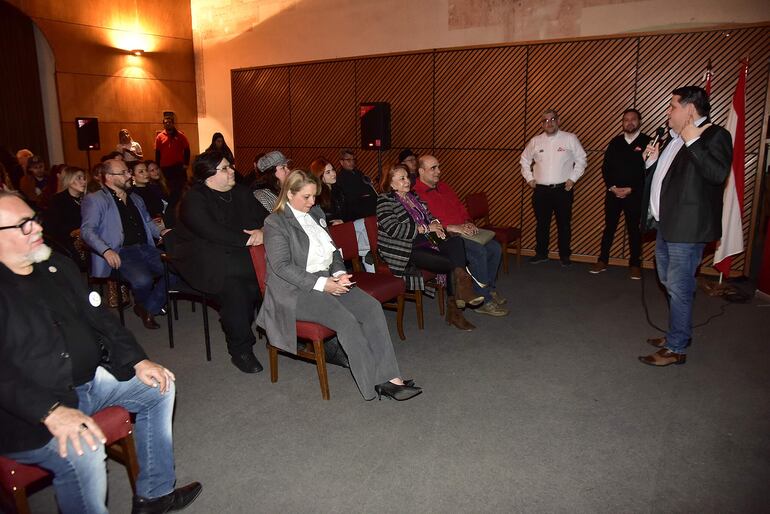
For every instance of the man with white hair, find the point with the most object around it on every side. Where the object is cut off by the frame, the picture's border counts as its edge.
(63, 357)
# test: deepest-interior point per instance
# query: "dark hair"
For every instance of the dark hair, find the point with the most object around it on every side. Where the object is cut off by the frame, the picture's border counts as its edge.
(268, 180)
(387, 176)
(205, 165)
(226, 152)
(631, 109)
(694, 95)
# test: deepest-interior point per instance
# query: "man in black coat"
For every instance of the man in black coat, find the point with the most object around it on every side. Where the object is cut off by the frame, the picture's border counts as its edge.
(62, 358)
(683, 199)
(623, 172)
(218, 221)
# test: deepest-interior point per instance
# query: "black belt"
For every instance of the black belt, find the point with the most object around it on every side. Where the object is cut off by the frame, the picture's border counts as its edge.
(552, 186)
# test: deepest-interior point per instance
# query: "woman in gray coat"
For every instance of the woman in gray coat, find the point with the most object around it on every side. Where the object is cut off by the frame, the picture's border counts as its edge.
(307, 281)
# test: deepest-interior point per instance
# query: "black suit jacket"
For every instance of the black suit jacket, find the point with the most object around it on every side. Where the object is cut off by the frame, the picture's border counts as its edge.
(691, 195)
(35, 368)
(203, 247)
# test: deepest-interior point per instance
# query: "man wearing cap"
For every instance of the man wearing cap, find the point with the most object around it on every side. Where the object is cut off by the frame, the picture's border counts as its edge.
(172, 153)
(120, 233)
(409, 159)
(559, 161)
(36, 185)
(63, 357)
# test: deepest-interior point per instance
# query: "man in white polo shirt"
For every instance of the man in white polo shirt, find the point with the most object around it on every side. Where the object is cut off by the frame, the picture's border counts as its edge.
(559, 160)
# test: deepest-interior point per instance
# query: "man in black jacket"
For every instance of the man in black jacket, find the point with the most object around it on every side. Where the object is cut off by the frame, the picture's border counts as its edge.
(683, 199)
(62, 358)
(623, 172)
(357, 189)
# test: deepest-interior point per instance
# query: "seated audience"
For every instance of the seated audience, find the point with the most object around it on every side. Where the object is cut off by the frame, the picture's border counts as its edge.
(330, 199)
(94, 182)
(151, 195)
(411, 239)
(37, 185)
(157, 180)
(129, 150)
(218, 144)
(5, 179)
(120, 233)
(12, 168)
(307, 281)
(63, 358)
(483, 259)
(360, 197)
(409, 160)
(63, 215)
(22, 157)
(273, 168)
(218, 221)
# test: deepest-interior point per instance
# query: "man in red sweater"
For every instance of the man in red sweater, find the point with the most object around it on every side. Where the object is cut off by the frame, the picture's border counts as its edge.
(445, 205)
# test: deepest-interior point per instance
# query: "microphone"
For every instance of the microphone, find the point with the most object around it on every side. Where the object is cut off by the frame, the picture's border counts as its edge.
(659, 132)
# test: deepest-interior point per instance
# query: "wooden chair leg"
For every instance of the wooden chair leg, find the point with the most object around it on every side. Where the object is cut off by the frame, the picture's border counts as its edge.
(320, 364)
(400, 316)
(440, 294)
(418, 306)
(272, 353)
(518, 252)
(20, 501)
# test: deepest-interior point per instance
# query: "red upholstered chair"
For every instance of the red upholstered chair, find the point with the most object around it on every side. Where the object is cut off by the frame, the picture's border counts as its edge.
(478, 209)
(17, 480)
(382, 268)
(386, 288)
(305, 330)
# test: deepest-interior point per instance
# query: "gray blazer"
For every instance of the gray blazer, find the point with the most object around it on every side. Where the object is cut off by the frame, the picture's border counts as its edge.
(286, 247)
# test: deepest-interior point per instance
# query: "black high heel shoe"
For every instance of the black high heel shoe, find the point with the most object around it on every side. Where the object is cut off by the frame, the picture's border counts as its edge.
(397, 392)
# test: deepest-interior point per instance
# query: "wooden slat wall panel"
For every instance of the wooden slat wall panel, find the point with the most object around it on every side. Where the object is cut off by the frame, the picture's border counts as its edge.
(480, 98)
(261, 107)
(322, 104)
(476, 108)
(406, 82)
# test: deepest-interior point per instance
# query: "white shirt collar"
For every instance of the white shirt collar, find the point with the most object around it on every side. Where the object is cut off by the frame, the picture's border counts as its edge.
(297, 214)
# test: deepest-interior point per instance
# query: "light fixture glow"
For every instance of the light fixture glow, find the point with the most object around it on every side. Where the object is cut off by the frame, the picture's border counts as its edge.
(137, 52)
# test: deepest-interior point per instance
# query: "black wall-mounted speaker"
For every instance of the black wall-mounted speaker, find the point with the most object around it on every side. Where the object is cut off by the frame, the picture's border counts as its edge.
(375, 126)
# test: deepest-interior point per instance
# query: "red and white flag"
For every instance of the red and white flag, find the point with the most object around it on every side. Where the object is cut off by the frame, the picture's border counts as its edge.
(731, 242)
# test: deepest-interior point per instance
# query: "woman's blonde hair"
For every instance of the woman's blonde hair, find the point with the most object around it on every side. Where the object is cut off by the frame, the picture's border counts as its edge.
(67, 175)
(293, 183)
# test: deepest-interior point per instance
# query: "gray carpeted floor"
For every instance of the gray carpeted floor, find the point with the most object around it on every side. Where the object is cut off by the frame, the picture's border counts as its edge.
(547, 410)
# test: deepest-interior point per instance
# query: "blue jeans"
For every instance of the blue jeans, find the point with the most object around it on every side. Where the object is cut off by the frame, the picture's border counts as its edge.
(81, 481)
(676, 264)
(484, 261)
(140, 266)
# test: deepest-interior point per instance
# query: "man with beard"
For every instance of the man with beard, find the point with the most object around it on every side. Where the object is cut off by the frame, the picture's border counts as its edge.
(55, 343)
(172, 153)
(623, 172)
(120, 232)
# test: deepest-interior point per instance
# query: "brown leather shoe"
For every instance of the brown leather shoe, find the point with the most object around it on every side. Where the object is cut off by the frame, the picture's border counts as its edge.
(597, 267)
(147, 319)
(454, 316)
(657, 342)
(664, 357)
(463, 289)
(635, 273)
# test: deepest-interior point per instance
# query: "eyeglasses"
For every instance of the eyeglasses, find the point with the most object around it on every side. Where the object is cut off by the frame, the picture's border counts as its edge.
(26, 225)
(349, 159)
(549, 120)
(224, 168)
(126, 172)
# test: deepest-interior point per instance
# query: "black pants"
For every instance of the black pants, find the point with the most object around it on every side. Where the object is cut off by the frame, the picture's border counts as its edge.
(176, 179)
(450, 255)
(238, 300)
(631, 206)
(547, 201)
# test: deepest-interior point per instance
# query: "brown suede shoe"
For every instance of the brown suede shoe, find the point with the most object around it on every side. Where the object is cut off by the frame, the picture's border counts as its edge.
(635, 273)
(454, 316)
(663, 357)
(657, 342)
(598, 267)
(148, 320)
(463, 289)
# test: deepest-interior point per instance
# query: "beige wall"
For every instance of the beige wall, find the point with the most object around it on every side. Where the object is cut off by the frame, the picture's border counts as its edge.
(239, 33)
(95, 76)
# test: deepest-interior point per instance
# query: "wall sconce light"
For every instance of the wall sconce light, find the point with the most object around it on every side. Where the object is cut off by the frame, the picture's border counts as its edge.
(137, 52)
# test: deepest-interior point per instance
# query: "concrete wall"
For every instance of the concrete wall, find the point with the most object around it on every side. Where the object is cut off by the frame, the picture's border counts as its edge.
(95, 75)
(243, 33)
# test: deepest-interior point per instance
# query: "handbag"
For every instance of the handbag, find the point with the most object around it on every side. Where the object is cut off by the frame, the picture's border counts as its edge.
(482, 237)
